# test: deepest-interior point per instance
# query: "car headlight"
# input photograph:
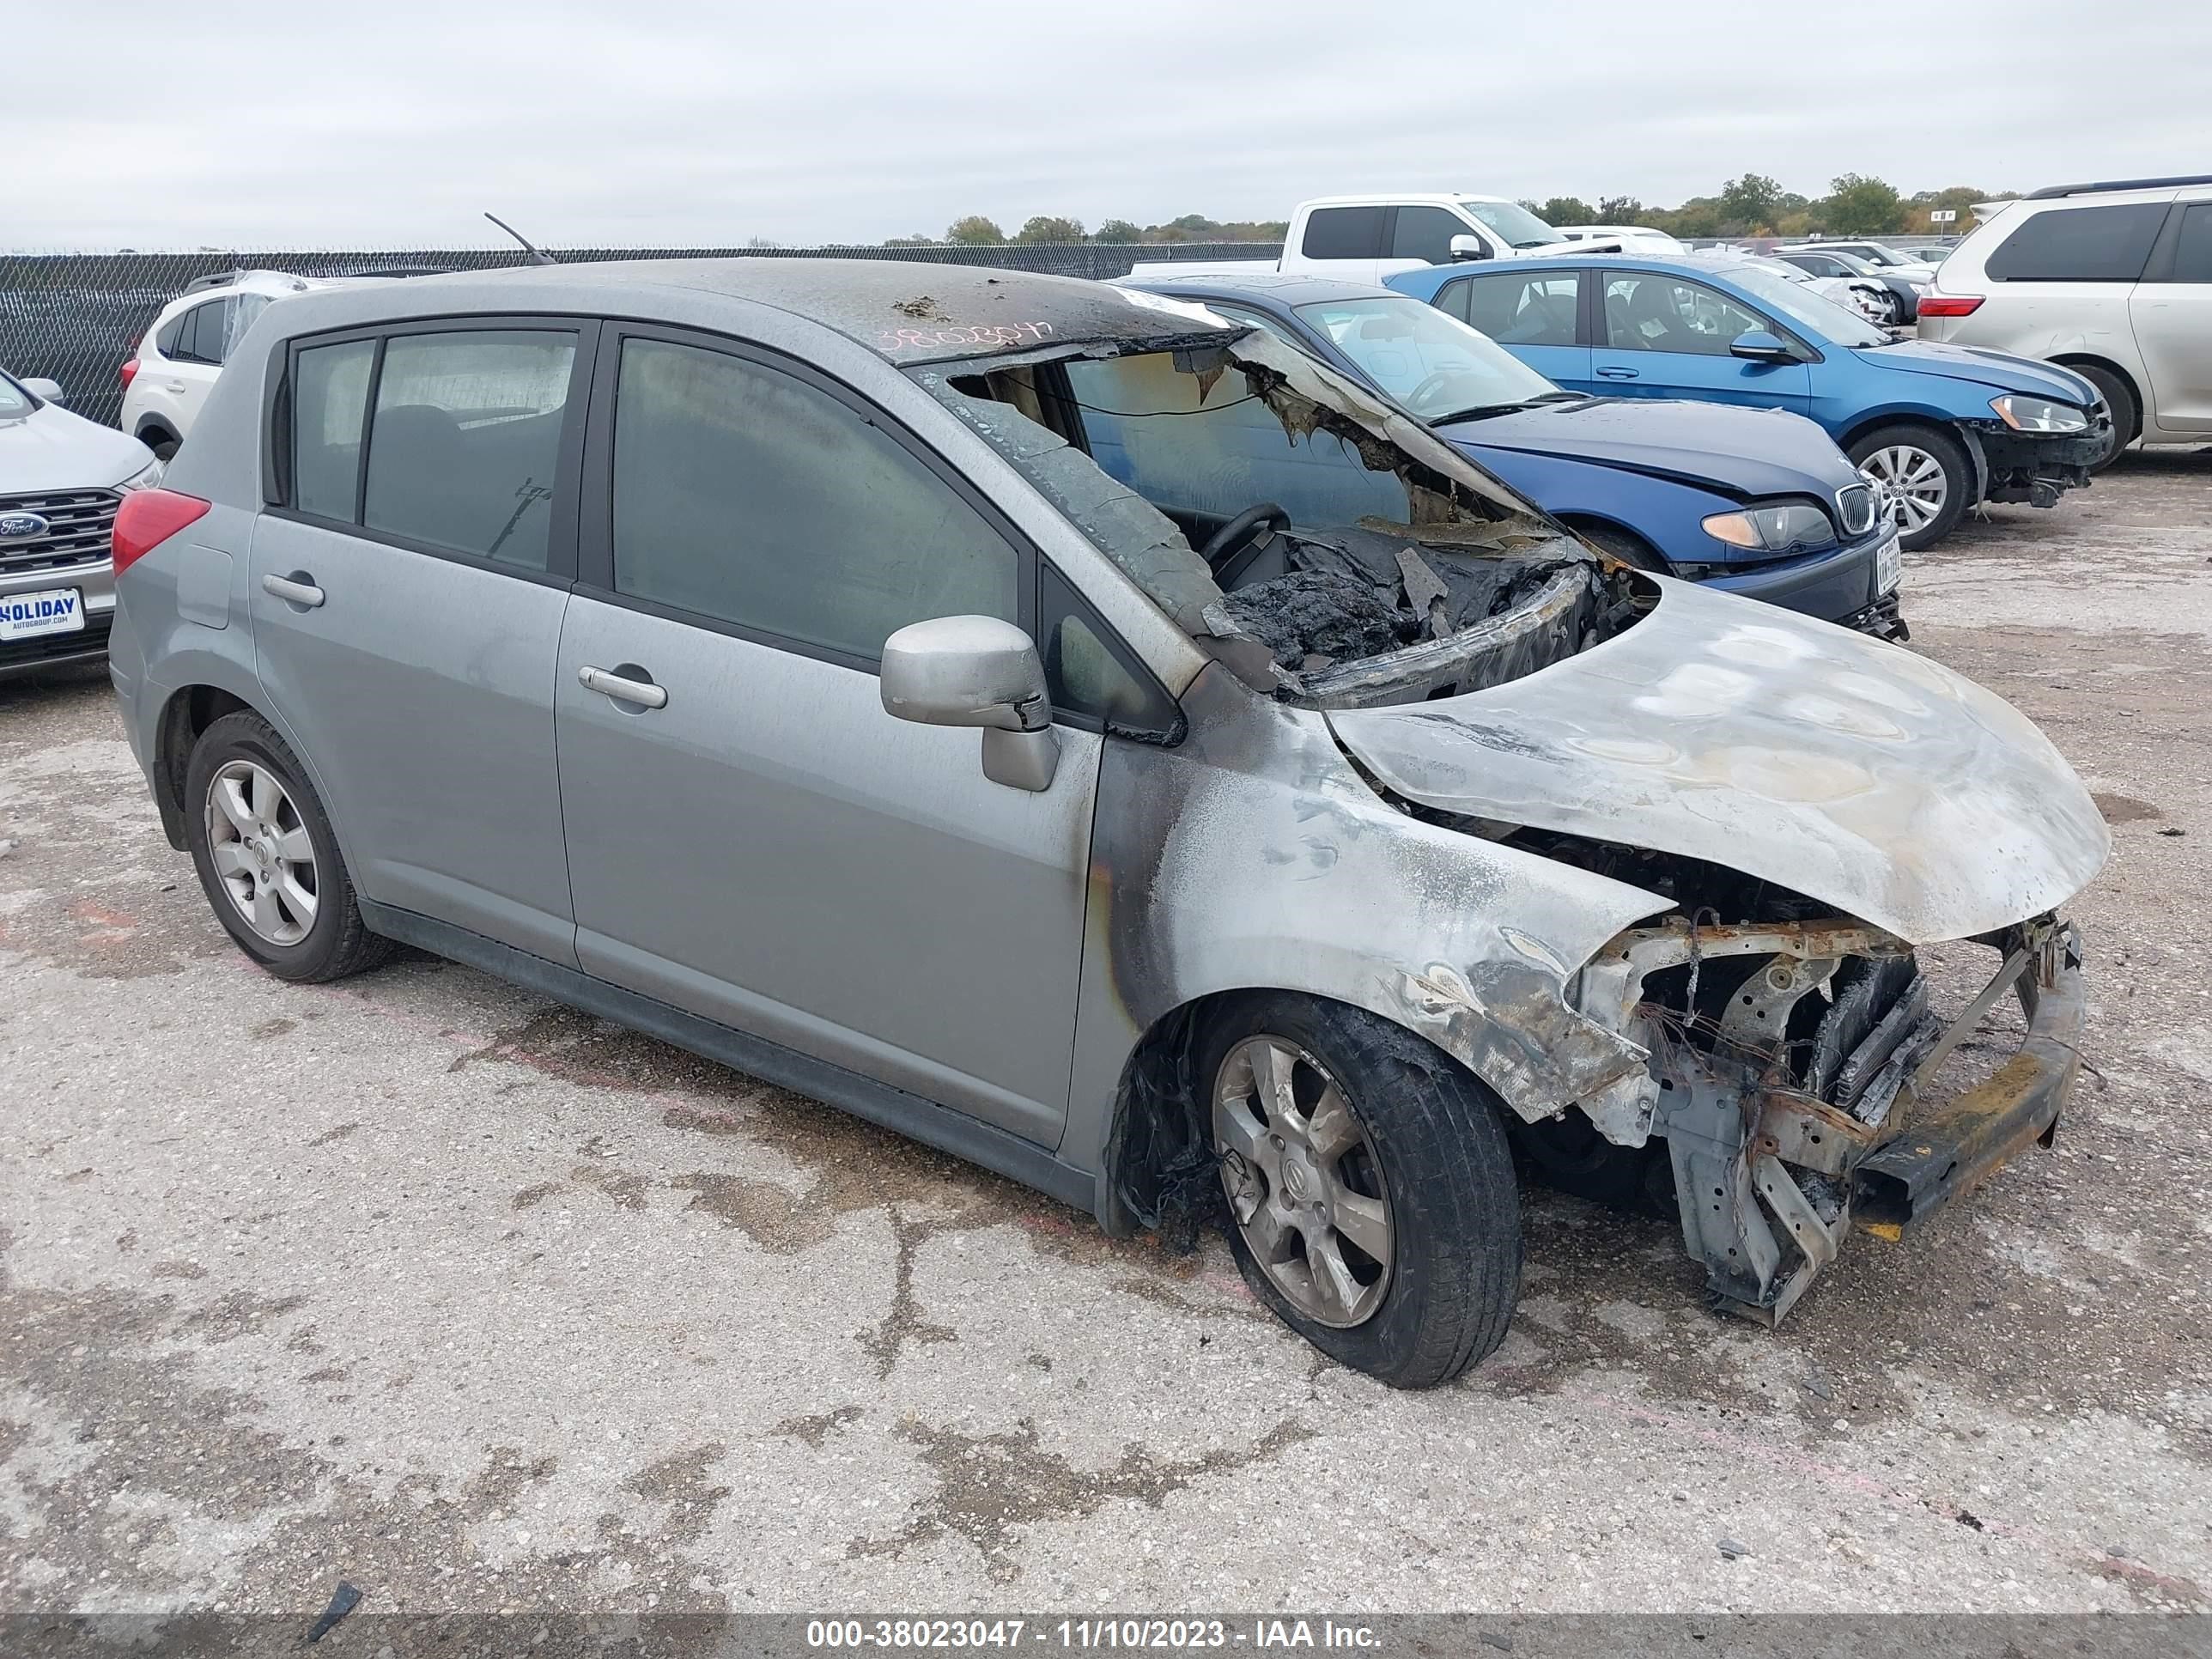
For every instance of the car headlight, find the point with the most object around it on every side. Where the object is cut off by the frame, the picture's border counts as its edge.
(1788, 527)
(145, 480)
(2038, 413)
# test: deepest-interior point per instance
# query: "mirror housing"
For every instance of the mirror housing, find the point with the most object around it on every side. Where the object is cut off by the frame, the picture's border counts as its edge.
(1468, 247)
(975, 671)
(45, 390)
(1758, 346)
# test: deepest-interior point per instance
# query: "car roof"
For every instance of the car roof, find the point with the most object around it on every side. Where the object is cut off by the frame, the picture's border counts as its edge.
(906, 311)
(1264, 284)
(1385, 197)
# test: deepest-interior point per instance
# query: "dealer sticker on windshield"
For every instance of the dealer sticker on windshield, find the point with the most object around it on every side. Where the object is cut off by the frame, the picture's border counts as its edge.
(24, 616)
(1888, 564)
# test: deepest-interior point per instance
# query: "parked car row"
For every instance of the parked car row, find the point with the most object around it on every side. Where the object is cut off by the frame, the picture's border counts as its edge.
(1124, 745)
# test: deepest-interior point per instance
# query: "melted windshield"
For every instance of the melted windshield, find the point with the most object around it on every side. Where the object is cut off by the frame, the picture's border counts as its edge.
(1433, 364)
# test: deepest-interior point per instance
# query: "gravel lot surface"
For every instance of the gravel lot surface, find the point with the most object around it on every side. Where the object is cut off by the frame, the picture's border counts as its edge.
(421, 1283)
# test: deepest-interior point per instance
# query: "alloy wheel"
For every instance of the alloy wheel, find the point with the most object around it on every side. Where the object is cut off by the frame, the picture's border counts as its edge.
(264, 858)
(1911, 483)
(1302, 1181)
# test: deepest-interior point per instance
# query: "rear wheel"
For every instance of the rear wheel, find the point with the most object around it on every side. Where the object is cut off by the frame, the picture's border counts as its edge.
(1925, 479)
(267, 859)
(2120, 401)
(1371, 1188)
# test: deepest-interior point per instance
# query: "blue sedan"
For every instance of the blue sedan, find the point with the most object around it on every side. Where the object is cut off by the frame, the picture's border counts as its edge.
(1755, 503)
(1941, 428)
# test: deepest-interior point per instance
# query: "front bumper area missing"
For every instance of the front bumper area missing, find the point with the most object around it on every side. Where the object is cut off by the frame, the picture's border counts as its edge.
(1768, 1175)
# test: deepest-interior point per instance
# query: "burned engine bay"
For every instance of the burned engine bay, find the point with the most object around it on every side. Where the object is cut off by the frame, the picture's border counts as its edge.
(1327, 548)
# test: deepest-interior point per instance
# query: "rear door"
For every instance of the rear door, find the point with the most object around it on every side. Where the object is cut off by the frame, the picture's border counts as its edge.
(407, 598)
(2172, 311)
(1661, 335)
(1340, 241)
(751, 837)
(1531, 314)
(192, 346)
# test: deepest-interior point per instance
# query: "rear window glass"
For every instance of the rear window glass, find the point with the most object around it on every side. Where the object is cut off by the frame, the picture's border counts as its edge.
(1518, 310)
(2192, 253)
(1345, 233)
(466, 439)
(2079, 244)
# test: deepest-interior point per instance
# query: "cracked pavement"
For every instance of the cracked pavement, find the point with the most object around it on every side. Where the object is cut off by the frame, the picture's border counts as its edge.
(475, 1302)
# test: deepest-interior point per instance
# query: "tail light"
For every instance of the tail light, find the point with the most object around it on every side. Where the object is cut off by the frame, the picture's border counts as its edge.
(129, 368)
(147, 519)
(1950, 305)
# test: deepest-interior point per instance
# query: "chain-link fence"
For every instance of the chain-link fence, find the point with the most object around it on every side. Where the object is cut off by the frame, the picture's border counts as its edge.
(76, 317)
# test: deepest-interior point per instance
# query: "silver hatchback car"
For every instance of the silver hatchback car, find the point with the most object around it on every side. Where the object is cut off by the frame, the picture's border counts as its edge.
(1090, 736)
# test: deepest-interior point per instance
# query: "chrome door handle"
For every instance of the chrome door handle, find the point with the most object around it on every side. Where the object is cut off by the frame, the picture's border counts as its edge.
(292, 590)
(644, 693)
(1617, 373)
(175, 385)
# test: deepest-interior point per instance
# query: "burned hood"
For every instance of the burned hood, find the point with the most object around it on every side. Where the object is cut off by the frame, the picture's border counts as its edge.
(1839, 766)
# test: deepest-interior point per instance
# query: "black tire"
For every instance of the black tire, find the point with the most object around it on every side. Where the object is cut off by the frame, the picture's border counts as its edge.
(2127, 419)
(163, 446)
(337, 942)
(1445, 1167)
(1567, 1153)
(1947, 453)
(1624, 544)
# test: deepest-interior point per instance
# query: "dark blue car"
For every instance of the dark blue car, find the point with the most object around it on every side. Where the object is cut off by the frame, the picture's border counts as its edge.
(1939, 427)
(1758, 503)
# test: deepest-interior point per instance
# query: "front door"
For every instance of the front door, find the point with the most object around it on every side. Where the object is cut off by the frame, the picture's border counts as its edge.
(2172, 318)
(751, 837)
(407, 613)
(1668, 337)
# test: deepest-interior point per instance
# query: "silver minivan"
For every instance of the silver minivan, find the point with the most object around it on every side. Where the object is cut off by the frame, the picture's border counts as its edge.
(1093, 738)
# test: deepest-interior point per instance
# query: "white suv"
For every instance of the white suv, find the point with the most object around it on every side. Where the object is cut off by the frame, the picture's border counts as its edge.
(2113, 280)
(165, 385)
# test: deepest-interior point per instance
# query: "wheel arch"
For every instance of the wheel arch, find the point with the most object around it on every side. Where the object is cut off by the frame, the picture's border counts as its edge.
(2119, 372)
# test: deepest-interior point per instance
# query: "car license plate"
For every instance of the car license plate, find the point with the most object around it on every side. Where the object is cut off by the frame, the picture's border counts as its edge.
(26, 615)
(1888, 564)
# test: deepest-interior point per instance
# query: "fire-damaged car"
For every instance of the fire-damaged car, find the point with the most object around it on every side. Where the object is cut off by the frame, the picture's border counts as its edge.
(1336, 819)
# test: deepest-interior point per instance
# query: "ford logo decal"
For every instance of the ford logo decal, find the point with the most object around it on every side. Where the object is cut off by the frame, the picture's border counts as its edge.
(21, 526)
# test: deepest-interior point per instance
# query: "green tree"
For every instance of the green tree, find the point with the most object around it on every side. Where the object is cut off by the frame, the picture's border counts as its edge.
(1620, 211)
(1118, 230)
(915, 240)
(1195, 224)
(1858, 206)
(1045, 228)
(973, 231)
(1563, 211)
(1752, 201)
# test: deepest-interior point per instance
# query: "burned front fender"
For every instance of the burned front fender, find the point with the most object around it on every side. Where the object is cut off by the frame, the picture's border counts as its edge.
(1252, 855)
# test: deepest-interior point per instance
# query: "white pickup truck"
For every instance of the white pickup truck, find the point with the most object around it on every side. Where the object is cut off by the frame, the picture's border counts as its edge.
(1363, 238)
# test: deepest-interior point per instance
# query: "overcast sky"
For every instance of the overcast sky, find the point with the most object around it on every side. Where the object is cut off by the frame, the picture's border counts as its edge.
(395, 124)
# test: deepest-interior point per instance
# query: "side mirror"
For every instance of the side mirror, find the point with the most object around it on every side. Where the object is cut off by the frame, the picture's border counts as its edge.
(45, 390)
(1760, 347)
(1468, 247)
(976, 670)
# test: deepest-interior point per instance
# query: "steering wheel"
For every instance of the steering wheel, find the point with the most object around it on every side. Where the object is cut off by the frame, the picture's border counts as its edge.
(1224, 542)
(1436, 381)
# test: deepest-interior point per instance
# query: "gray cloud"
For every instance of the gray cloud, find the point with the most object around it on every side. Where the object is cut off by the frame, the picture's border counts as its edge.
(660, 121)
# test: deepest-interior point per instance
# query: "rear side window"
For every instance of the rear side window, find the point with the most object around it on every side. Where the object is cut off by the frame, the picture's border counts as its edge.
(1345, 233)
(2192, 250)
(465, 440)
(2079, 244)
(1425, 232)
(201, 339)
(166, 341)
(748, 495)
(330, 397)
(1518, 310)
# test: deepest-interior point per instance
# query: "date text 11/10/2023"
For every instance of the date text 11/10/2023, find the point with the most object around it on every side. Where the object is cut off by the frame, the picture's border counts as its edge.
(1100, 1635)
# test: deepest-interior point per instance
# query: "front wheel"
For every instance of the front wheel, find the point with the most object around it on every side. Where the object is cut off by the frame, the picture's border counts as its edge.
(1371, 1195)
(1924, 477)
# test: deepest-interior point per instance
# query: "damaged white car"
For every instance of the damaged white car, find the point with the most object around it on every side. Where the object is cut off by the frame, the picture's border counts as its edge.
(1336, 821)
